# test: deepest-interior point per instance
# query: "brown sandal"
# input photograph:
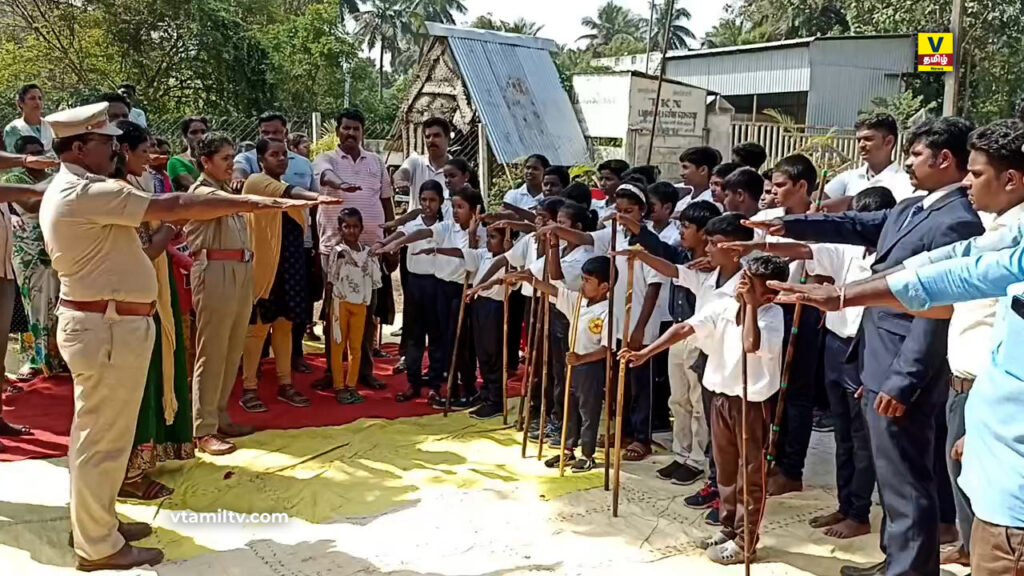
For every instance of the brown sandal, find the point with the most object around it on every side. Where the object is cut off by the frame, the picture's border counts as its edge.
(636, 452)
(288, 394)
(151, 490)
(250, 402)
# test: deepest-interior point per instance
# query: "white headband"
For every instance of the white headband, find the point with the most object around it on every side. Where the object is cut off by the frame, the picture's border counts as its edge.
(636, 190)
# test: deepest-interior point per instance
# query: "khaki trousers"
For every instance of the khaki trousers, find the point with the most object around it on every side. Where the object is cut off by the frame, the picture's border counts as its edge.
(689, 427)
(348, 335)
(222, 298)
(726, 431)
(108, 356)
(996, 550)
(280, 342)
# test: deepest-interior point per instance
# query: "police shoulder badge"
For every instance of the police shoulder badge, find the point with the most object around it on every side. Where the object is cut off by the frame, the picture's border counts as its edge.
(595, 325)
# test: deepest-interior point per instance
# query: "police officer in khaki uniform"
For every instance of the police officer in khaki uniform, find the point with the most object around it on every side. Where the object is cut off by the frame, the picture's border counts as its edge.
(104, 330)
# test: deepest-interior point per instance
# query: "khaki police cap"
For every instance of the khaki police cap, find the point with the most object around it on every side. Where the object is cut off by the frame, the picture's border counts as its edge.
(91, 118)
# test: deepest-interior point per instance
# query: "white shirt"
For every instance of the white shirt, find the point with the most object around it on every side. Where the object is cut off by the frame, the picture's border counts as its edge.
(592, 325)
(970, 328)
(572, 267)
(478, 260)
(138, 115)
(522, 198)
(720, 336)
(672, 235)
(448, 234)
(420, 170)
(704, 286)
(852, 182)
(845, 264)
(423, 264)
(353, 274)
(522, 255)
(45, 133)
(687, 199)
(796, 267)
(643, 276)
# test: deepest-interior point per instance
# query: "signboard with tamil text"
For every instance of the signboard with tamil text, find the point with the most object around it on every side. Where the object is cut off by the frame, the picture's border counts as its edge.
(935, 52)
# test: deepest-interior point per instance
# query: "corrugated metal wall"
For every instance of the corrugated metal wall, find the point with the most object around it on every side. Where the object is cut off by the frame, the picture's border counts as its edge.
(846, 74)
(785, 69)
(517, 92)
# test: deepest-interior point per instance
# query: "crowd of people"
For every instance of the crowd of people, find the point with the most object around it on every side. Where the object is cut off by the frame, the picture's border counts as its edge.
(734, 303)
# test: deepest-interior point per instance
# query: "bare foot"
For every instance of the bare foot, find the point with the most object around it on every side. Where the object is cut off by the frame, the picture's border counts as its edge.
(948, 534)
(847, 529)
(780, 484)
(826, 520)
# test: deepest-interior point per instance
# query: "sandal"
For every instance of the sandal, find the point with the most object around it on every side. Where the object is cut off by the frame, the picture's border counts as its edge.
(600, 441)
(8, 429)
(28, 374)
(407, 396)
(636, 452)
(348, 396)
(12, 389)
(289, 395)
(250, 402)
(151, 490)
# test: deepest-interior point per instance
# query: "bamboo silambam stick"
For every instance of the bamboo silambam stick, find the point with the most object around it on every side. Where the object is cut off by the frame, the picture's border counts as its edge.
(455, 347)
(531, 371)
(544, 367)
(504, 353)
(608, 361)
(621, 388)
(743, 445)
(568, 385)
(527, 373)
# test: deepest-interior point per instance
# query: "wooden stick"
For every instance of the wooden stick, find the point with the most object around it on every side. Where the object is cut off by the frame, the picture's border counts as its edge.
(568, 385)
(743, 446)
(455, 347)
(504, 354)
(661, 80)
(544, 367)
(531, 373)
(527, 373)
(609, 360)
(621, 390)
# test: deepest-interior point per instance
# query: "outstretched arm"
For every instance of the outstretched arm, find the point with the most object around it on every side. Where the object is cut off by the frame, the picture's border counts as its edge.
(416, 236)
(659, 265)
(676, 333)
(570, 235)
(179, 206)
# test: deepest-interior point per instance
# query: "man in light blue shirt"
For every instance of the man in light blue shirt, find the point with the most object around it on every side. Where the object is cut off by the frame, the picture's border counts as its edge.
(989, 266)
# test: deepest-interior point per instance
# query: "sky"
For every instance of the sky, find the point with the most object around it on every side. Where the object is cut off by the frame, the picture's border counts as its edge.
(561, 18)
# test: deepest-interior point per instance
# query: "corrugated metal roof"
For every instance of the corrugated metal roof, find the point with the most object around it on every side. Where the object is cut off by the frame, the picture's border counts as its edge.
(784, 69)
(517, 92)
(492, 36)
(677, 54)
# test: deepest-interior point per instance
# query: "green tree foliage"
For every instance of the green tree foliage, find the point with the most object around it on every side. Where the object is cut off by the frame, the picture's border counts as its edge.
(678, 33)
(613, 22)
(991, 79)
(517, 26)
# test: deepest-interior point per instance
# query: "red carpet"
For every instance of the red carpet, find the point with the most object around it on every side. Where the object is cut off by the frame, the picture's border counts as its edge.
(46, 407)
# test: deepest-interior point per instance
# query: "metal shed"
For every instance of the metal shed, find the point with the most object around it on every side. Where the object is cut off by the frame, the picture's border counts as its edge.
(819, 81)
(507, 82)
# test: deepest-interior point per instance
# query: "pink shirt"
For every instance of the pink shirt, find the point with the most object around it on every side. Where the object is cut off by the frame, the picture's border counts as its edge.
(369, 173)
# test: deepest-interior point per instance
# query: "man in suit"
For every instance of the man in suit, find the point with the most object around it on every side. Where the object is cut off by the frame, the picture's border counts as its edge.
(902, 358)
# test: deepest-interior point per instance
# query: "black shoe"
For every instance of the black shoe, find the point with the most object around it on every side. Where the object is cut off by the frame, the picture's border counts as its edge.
(873, 570)
(379, 354)
(552, 462)
(372, 383)
(703, 498)
(583, 464)
(456, 404)
(476, 399)
(323, 385)
(486, 411)
(667, 472)
(711, 518)
(822, 422)
(686, 475)
(400, 367)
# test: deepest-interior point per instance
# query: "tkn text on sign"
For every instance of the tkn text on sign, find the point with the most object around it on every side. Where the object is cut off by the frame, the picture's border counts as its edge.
(935, 52)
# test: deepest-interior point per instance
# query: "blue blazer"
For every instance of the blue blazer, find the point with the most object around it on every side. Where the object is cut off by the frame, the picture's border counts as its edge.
(898, 353)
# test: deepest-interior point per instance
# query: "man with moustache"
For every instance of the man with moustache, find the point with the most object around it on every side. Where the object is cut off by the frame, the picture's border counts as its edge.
(902, 358)
(362, 180)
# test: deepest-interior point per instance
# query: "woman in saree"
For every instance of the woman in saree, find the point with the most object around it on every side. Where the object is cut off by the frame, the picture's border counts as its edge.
(164, 428)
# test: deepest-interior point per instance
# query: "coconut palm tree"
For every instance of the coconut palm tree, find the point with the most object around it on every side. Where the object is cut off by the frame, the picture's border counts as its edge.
(517, 26)
(441, 11)
(379, 26)
(613, 21)
(678, 33)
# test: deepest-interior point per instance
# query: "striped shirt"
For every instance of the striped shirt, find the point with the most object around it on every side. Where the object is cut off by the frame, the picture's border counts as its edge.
(371, 175)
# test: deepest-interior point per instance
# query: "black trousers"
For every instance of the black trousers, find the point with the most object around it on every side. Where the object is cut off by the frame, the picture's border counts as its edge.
(855, 468)
(559, 342)
(403, 276)
(420, 325)
(449, 296)
(955, 404)
(588, 394)
(299, 328)
(904, 450)
(639, 391)
(798, 405)
(660, 418)
(517, 315)
(487, 340)
(537, 386)
(943, 484)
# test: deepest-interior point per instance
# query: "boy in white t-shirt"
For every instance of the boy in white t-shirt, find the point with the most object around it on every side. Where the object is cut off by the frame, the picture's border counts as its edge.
(737, 333)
